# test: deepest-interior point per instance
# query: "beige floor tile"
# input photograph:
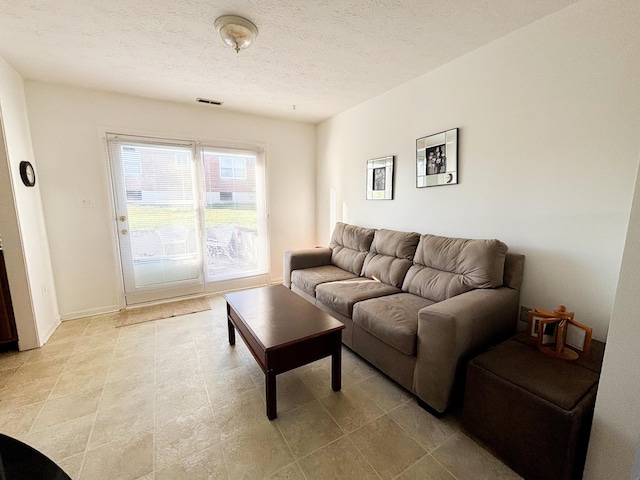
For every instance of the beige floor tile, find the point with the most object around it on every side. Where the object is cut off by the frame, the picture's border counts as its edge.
(240, 413)
(256, 453)
(225, 384)
(386, 393)
(291, 392)
(99, 341)
(355, 369)
(351, 408)
(388, 448)
(317, 377)
(167, 341)
(70, 329)
(28, 393)
(124, 460)
(68, 407)
(63, 440)
(467, 460)
(337, 461)
(207, 464)
(123, 367)
(185, 435)
(179, 399)
(290, 472)
(215, 360)
(14, 359)
(102, 324)
(186, 370)
(429, 431)
(53, 349)
(72, 465)
(96, 356)
(128, 390)
(81, 378)
(17, 422)
(30, 372)
(135, 345)
(174, 356)
(5, 376)
(124, 420)
(308, 428)
(427, 468)
(148, 476)
(255, 372)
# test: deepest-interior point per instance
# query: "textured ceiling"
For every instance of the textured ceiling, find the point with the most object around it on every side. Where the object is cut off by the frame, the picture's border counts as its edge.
(322, 56)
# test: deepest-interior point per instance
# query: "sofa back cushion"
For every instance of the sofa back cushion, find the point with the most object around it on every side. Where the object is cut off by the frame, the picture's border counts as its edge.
(444, 267)
(349, 246)
(391, 256)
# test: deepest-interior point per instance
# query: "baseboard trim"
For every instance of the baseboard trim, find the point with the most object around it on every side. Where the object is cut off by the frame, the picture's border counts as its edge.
(90, 312)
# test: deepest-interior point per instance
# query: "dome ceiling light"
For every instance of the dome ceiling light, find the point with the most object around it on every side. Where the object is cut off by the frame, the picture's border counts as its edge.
(237, 32)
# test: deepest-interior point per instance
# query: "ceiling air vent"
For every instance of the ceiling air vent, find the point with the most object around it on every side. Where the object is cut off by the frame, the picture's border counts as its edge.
(210, 102)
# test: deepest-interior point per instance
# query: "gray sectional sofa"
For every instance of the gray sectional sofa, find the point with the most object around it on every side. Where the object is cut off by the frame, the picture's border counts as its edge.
(418, 307)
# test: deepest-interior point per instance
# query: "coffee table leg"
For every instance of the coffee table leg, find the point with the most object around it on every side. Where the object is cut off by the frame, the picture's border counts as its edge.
(270, 382)
(336, 363)
(232, 333)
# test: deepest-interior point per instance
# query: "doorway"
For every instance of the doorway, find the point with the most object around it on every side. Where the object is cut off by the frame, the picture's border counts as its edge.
(187, 214)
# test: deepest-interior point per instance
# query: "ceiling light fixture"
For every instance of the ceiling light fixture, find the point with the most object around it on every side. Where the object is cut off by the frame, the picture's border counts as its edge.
(237, 32)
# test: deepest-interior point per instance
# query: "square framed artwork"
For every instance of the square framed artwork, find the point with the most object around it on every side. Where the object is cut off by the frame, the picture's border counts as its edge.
(380, 178)
(437, 159)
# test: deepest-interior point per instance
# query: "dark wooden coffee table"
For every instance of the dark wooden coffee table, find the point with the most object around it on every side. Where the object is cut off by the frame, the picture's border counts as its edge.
(283, 331)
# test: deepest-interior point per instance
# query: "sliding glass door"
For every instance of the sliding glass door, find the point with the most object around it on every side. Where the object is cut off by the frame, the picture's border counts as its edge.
(157, 218)
(186, 214)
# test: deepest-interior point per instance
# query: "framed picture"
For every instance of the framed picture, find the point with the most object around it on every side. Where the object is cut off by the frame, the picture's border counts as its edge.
(533, 321)
(577, 337)
(549, 330)
(437, 159)
(380, 178)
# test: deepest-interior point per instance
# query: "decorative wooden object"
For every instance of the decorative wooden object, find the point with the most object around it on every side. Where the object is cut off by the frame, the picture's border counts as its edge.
(558, 334)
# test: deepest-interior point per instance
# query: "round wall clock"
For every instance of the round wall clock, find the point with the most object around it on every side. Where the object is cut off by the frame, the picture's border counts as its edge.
(27, 173)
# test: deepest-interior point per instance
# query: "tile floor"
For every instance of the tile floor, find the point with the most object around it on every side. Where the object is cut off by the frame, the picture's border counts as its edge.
(172, 400)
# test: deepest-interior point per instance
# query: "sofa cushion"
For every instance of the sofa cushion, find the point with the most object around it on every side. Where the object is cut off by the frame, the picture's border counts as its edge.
(444, 267)
(349, 246)
(392, 319)
(341, 296)
(391, 256)
(308, 279)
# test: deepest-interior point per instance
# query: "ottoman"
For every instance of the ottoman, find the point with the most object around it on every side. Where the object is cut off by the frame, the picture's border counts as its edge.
(533, 411)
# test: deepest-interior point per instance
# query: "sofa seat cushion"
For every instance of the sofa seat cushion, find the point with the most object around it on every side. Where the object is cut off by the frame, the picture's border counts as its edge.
(392, 319)
(308, 279)
(341, 296)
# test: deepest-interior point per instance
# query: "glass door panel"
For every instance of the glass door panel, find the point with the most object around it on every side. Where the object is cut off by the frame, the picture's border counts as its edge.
(234, 214)
(158, 222)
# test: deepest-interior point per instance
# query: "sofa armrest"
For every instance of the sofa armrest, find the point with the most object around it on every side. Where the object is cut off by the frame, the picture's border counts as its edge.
(451, 332)
(305, 258)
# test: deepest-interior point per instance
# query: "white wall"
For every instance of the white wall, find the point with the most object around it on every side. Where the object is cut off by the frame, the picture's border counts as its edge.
(616, 424)
(66, 127)
(548, 150)
(22, 223)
